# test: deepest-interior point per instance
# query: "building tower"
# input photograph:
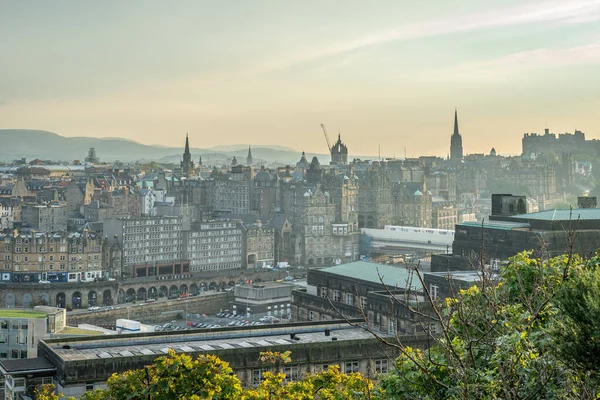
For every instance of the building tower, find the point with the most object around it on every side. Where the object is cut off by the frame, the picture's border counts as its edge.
(456, 147)
(187, 165)
(339, 153)
(249, 158)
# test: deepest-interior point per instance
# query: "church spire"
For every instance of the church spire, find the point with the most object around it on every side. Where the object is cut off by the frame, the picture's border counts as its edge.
(456, 122)
(249, 160)
(456, 147)
(187, 145)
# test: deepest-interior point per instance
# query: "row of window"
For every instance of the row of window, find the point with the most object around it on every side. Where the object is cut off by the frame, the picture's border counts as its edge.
(14, 325)
(292, 372)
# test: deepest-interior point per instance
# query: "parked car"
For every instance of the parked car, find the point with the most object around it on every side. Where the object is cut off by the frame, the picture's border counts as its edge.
(44, 281)
(109, 308)
(93, 308)
(150, 300)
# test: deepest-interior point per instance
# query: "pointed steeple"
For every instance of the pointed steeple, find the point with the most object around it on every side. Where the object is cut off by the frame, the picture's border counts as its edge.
(187, 145)
(456, 148)
(249, 160)
(456, 122)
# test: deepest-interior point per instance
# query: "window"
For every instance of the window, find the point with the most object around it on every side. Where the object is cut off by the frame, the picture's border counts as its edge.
(381, 366)
(4, 324)
(363, 302)
(433, 291)
(324, 292)
(349, 299)
(291, 373)
(257, 376)
(337, 295)
(311, 316)
(350, 367)
(3, 338)
(391, 327)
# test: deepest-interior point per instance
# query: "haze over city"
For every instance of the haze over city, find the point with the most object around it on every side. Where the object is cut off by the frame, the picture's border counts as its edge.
(389, 73)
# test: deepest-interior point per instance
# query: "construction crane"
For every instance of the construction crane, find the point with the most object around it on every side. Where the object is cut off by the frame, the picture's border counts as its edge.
(326, 137)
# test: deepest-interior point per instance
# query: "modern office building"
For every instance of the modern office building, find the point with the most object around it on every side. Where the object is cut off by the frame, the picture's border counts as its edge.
(214, 246)
(151, 246)
(261, 299)
(20, 330)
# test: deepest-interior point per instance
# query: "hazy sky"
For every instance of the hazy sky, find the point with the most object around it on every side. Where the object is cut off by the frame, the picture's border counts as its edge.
(270, 72)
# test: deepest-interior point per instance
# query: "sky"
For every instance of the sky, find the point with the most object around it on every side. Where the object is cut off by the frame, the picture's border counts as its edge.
(383, 73)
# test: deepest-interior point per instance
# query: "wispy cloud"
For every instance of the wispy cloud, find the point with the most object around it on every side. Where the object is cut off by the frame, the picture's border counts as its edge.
(526, 61)
(552, 11)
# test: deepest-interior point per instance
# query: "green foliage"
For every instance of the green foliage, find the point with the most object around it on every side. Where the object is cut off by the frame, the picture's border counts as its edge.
(578, 331)
(497, 340)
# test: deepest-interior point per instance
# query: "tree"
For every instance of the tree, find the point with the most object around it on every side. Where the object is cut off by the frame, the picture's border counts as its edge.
(496, 339)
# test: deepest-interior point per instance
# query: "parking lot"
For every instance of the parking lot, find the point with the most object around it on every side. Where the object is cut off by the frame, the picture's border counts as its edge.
(223, 320)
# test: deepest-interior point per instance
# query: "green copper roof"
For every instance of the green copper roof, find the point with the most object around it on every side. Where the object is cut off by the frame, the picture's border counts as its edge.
(393, 276)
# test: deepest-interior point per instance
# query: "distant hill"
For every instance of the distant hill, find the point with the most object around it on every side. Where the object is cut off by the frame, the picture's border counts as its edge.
(32, 144)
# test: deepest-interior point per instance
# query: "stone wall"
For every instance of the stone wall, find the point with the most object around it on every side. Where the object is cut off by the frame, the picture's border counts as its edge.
(154, 313)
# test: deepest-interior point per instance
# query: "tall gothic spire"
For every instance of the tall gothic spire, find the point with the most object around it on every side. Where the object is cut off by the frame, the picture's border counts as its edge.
(456, 122)
(187, 145)
(249, 160)
(456, 148)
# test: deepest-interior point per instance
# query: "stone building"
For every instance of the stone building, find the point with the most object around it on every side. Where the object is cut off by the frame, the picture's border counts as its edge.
(444, 215)
(356, 291)
(339, 153)
(413, 205)
(259, 245)
(374, 204)
(51, 256)
(48, 217)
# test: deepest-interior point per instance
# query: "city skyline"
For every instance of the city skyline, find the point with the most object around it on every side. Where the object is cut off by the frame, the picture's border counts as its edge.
(388, 74)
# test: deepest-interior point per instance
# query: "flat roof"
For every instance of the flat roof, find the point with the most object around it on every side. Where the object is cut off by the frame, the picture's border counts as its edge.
(506, 225)
(21, 314)
(391, 275)
(585, 214)
(465, 276)
(158, 344)
(27, 364)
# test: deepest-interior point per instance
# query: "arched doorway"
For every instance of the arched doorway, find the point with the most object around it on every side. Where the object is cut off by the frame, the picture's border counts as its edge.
(311, 261)
(76, 300)
(251, 260)
(203, 286)
(141, 294)
(26, 300)
(183, 289)
(121, 296)
(241, 282)
(10, 300)
(45, 299)
(231, 283)
(173, 291)
(92, 298)
(194, 289)
(152, 293)
(129, 295)
(163, 292)
(212, 286)
(61, 300)
(107, 298)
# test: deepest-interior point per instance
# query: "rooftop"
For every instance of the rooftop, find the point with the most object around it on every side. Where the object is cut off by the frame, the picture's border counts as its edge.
(27, 364)
(21, 314)
(396, 276)
(506, 225)
(159, 343)
(584, 214)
